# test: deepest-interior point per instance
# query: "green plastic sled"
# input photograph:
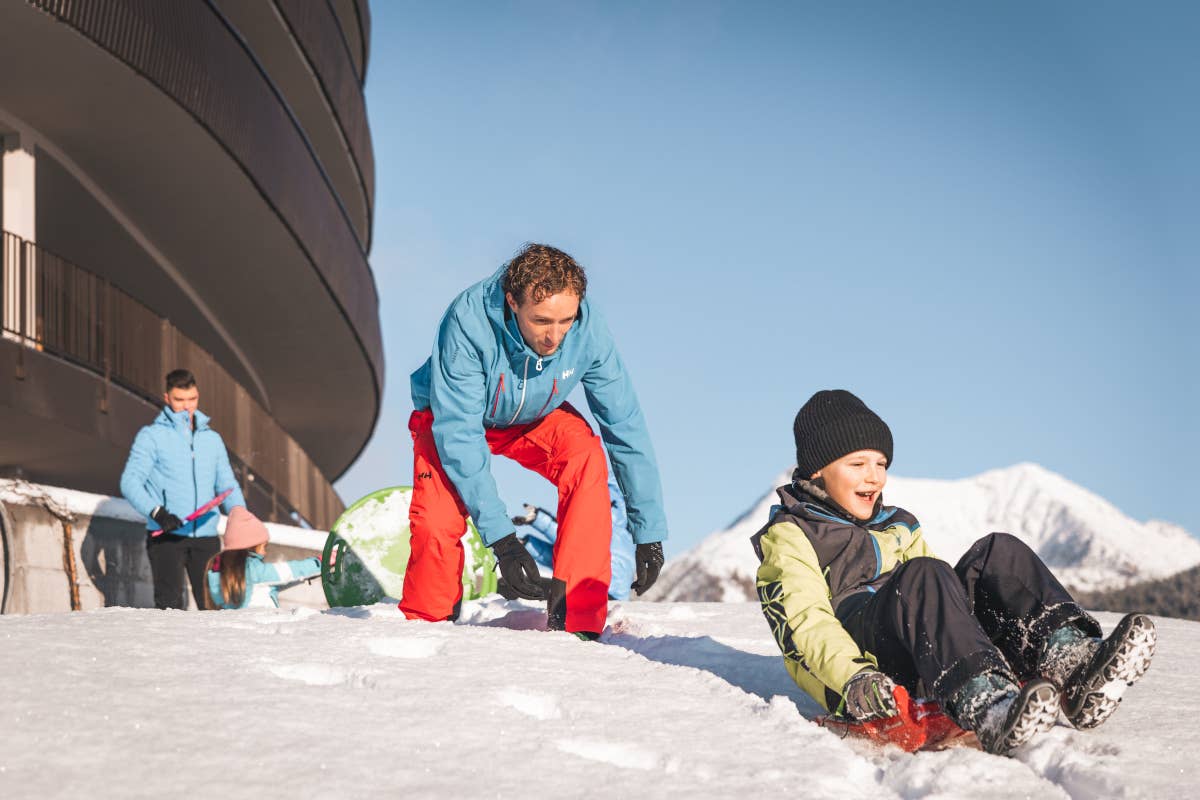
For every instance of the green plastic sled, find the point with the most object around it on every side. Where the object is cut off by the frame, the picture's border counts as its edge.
(371, 540)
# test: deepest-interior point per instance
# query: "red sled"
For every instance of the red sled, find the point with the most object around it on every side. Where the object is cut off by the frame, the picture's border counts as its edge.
(917, 725)
(209, 506)
(204, 509)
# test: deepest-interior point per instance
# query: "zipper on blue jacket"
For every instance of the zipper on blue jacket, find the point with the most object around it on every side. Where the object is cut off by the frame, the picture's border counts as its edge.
(499, 389)
(195, 486)
(522, 403)
(553, 391)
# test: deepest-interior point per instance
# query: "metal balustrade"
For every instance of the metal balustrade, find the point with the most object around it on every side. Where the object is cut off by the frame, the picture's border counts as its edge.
(187, 50)
(54, 306)
(314, 26)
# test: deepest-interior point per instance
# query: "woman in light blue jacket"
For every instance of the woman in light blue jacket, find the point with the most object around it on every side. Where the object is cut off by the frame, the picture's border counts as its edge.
(177, 465)
(178, 470)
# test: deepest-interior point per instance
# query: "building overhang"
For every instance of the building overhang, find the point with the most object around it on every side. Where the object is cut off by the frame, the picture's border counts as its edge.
(307, 321)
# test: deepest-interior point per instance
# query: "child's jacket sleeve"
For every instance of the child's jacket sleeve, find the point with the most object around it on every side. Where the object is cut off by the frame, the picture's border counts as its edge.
(265, 579)
(281, 573)
(818, 652)
(917, 548)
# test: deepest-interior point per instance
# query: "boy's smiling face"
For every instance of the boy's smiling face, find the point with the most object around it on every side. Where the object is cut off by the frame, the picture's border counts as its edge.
(855, 481)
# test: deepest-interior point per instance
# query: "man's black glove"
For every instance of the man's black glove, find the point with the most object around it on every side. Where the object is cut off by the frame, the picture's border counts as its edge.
(868, 695)
(649, 560)
(518, 568)
(165, 519)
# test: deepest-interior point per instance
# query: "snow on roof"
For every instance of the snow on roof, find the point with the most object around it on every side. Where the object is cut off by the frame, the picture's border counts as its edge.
(85, 504)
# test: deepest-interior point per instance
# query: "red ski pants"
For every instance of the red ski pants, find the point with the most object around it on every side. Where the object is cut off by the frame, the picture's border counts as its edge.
(561, 448)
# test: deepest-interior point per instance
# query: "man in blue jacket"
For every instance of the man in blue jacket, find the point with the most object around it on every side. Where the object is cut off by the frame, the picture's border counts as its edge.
(508, 352)
(176, 465)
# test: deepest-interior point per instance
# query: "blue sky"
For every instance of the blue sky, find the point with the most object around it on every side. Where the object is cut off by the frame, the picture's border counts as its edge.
(980, 218)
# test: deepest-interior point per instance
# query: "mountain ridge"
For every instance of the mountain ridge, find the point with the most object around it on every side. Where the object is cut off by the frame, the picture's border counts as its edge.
(1086, 540)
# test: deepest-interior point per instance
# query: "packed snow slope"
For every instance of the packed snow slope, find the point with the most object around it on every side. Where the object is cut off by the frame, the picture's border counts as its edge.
(1088, 543)
(675, 700)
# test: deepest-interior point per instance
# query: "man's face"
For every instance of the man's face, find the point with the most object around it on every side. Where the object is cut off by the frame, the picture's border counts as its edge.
(855, 481)
(183, 400)
(543, 325)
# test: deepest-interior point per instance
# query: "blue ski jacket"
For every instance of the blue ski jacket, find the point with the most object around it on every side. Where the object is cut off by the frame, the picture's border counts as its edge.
(263, 580)
(172, 466)
(483, 375)
(544, 532)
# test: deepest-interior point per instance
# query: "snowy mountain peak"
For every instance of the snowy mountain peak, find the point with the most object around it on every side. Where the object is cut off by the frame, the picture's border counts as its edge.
(1085, 539)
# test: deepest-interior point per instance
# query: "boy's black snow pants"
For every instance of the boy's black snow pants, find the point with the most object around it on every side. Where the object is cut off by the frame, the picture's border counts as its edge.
(170, 556)
(932, 627)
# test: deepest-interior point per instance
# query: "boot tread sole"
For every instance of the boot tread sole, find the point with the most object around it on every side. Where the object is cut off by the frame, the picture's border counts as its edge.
(1037, 714)
(1122, 660)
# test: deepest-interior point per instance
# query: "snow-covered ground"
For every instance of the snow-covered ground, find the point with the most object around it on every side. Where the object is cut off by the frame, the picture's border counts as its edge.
(676, 700)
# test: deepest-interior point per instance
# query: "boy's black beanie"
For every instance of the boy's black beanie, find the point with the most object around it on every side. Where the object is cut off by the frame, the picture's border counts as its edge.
(833, 423)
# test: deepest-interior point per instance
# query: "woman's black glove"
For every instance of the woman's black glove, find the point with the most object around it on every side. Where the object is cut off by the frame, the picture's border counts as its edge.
(165, 519)
(649, 560)
(868, 695)
(518, 568)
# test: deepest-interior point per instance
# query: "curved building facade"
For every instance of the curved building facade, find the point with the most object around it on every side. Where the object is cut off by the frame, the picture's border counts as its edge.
(188, 184)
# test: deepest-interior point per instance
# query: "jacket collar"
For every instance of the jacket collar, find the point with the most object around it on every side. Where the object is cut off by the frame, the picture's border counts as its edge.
(179, 420)
(808, 498)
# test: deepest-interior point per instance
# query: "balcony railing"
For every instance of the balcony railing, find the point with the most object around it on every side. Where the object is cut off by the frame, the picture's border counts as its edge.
(187, 51)
(49, 304)
(315, 27)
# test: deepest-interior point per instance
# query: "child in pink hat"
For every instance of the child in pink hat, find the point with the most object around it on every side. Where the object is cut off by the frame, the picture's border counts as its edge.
(238, 577)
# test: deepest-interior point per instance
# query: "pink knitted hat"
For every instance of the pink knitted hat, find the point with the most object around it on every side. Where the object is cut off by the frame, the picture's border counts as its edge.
(244, 530)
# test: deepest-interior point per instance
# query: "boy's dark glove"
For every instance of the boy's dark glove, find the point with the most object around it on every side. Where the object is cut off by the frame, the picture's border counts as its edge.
(518, 568)
(649, 560)
(868, 695)
(165, 519)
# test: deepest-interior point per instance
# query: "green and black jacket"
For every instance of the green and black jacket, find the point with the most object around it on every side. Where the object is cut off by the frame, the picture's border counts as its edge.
(814, 556)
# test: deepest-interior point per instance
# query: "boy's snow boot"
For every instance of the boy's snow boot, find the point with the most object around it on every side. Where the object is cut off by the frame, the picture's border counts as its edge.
(1064, 652)
(1093, 692)
(1002, 715)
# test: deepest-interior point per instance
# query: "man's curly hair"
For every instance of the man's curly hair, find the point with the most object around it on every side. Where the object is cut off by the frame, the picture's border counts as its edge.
(539, 271)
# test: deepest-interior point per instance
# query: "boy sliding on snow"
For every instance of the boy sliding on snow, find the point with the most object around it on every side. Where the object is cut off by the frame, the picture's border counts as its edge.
(858, 603)
(238, 577)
